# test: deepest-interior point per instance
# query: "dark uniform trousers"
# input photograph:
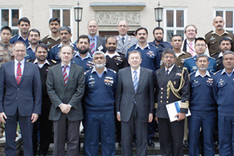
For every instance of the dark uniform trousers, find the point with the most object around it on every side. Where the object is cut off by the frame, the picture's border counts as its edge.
(140, 129)
(168, 131)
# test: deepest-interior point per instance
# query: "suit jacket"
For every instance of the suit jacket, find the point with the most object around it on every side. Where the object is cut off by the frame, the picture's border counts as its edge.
(162, 96)
(126, 97)
(26, 96)
(69, 94)
(123, 48)
(101, 44)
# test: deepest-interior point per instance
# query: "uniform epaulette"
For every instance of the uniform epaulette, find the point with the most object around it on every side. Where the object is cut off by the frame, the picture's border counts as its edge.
(209, 33)
(189, 58)
(86, 72)
(53, 61)
(217, 72)
(111, 70)
(192, 73)
(53, 46)
(212, 58)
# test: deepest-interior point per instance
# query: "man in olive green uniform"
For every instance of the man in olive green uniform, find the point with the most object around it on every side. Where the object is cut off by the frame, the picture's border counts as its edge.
(213, 37)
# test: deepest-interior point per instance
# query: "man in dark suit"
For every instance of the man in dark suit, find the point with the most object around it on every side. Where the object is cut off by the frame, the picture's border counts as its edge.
(172, 84)
(135, 104)
(65, 86)
(20, 99)
(97, 43)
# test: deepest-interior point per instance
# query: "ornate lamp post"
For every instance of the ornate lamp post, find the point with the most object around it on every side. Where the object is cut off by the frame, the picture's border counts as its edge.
(158, 11)
(78, 16)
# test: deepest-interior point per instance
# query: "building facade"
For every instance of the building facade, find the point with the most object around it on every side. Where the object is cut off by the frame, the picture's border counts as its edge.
(176, 14)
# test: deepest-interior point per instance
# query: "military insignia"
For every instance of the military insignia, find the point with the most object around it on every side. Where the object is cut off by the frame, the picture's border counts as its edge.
(194, 67)
(150, 54)
(174, 82)
(100, 48)
(108, 81)
(91, 81)
(195, 81)
(209, 80)
(212, 38)
(182, 60)
(89, 64)
(178, 74)
(221, 81)
(118, 58)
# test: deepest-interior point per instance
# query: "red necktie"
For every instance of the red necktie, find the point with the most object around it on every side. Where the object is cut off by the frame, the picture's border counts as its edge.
(65, 76)
(92, 46)
(18, 73)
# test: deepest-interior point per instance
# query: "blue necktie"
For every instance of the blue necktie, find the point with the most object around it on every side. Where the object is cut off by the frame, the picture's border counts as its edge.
(123, 40)
(135, 80)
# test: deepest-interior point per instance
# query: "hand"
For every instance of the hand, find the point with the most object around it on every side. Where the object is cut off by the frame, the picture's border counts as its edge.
(63, 107)
(34, 117)
(180, 116)
(68, 109)
(3, 117)
(150, 117)
(156, 119)
(118, 117)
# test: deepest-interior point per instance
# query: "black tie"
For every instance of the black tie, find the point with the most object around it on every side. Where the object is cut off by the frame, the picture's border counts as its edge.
(167, 72)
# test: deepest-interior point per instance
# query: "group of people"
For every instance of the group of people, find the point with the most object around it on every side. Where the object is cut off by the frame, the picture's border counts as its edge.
(118, 88)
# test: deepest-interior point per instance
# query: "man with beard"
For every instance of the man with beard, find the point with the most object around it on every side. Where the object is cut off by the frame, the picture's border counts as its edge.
(114, 60)
(213, 37)
(24, 26)
(200, 47)
(53, 38)
(203, 109)
(223, 90)
(33, 38)
(224, 45)
(82, 57)
(45, 125)
(158, 33)
(124, 40)
(172, 84)
(100, 87)
(65, 37)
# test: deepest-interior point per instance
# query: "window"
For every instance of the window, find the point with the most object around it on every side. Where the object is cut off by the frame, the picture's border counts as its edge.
(174, 22)
(64, 14)
(227, 15)
(10, 17)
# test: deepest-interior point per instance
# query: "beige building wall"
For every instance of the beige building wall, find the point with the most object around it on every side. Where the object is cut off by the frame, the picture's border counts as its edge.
(198, 12)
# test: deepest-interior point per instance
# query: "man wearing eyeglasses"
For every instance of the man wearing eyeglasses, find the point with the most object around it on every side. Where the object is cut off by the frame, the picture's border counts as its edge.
(200, 47)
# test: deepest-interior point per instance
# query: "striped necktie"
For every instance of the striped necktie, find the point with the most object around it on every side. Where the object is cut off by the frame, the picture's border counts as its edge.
(18, 73)
(135, 80)
(92, 45)
(65, 76)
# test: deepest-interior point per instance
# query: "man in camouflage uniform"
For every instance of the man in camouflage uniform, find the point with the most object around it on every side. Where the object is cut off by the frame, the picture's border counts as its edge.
(6, 54)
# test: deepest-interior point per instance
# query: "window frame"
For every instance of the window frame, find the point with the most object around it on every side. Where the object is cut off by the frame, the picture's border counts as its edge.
(61, 14)
(224, 17)
(10, 17)
(174, 28)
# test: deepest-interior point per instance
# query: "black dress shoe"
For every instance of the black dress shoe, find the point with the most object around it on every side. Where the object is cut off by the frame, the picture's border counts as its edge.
(185, 144)
(151, 143)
